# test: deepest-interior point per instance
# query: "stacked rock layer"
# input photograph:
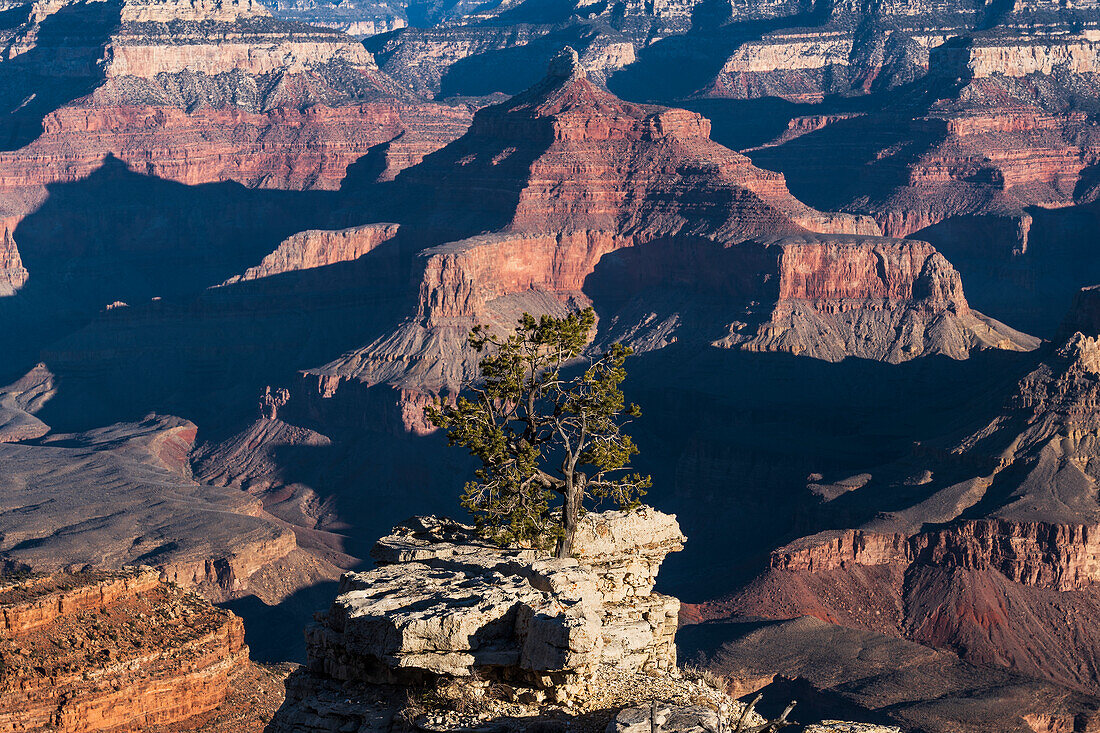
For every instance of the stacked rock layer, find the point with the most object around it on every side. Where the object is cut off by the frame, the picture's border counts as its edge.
(443, 603)
(111, 651)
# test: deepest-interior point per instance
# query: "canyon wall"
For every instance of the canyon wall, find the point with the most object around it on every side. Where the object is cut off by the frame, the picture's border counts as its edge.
(1020, 57)
(980, 551)
(319, 248)
(111, 651)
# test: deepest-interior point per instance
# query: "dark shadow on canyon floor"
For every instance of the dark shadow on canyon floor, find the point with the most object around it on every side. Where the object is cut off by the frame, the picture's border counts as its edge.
(1030, 290)
(276, 633)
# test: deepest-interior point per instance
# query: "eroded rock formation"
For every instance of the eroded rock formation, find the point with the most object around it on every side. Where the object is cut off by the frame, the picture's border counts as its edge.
(987, 540)
(596, 200)
(442, 603)
(111, 651)
(123, 495)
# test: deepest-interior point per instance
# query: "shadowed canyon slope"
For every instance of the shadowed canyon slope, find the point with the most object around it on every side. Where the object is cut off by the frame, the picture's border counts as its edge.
(590, 199)
(597, 200)
(828, 254)
(981, 545)
(970, 125)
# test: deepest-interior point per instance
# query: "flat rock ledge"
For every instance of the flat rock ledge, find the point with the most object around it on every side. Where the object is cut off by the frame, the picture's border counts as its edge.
(443, 603)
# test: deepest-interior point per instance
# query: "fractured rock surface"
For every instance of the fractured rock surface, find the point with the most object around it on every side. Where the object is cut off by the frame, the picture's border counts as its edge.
(442, 603)
(111, 651)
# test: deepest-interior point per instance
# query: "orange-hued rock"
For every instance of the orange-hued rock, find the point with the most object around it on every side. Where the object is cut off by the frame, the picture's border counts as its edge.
(282, 148)
(460, 279)
(318, 248)
(44, 599)
(566, 155)
(879, 270)
(115, 651)
(838, 549)
(1004, 124)
(1056, 556)
(198, 93)
(550, 194)
(884, 299)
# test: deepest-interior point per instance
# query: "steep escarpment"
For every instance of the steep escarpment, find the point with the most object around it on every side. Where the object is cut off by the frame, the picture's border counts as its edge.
(977, 144)
(315, 144)
(972, 157)
(594, 200)
(112, 651)
(516, 169)
(850, 49)
(319, 248)
(12, 273)
(876, 299)
(449, 632)
(204, 92)
(802, 52)
(986, 547)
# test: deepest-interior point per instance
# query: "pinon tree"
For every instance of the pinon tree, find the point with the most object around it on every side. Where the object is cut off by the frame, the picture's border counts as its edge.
(546, 439)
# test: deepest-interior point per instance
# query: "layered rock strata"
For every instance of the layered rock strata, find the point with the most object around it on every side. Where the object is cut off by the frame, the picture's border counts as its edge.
(442, 603)
(1001, 124)
(876, 299)
(111, 651)
(319, 248)
(998, 527)
(592, 200)
(210, 91)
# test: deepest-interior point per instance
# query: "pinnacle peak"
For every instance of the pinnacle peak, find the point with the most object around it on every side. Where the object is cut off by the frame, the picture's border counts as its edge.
(565, 65)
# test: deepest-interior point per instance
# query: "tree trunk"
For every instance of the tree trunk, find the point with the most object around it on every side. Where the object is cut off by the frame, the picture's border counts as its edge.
(570, 516)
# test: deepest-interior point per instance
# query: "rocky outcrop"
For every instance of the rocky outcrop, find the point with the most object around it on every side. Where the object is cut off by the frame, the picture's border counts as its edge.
(675, 719)
(876, 299)
(12, 273)
(450, 633)
(20, 400)
(111, 651)
(442, 603)
(1020, 56)
(318, 248)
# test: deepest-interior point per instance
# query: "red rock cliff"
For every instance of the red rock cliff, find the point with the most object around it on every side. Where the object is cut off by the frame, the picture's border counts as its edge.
(111, 651)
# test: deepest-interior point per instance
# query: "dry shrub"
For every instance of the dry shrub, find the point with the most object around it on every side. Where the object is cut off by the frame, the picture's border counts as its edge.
(414, 708)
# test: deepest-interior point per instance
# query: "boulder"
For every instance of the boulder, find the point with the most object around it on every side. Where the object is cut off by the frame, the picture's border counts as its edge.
(443, 602)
